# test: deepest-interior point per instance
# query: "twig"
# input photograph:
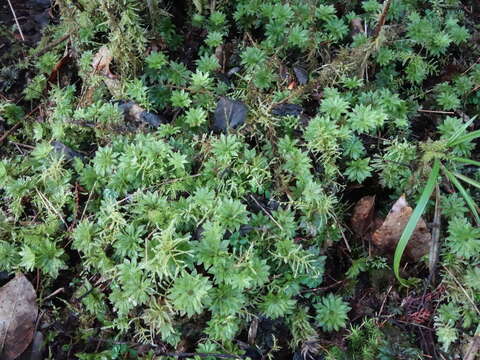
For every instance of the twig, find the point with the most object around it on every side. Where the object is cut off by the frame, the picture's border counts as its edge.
(463, 289)
(324, 288)
(346, 242)
(8, 132)
(471, 66)
(185, 354)
(266, 212)
(436, 112)
(52, 45)
(434, 248)
(385, 300)
(54, 293)
(16, 20)
(29, 147)
(381, 20)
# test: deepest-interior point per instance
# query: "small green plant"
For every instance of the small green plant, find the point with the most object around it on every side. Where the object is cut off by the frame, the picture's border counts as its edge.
(331, 313)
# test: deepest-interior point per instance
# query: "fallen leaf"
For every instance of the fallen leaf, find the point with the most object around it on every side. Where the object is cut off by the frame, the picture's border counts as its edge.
(387, 236)
(301, 75)
(101, 65)
(101, 62)
(58, 66)
(362, 217)
(287, 109)
(229, 114)
(18, 313)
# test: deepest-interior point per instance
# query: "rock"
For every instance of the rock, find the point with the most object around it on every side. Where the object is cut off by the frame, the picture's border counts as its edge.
(387, 236)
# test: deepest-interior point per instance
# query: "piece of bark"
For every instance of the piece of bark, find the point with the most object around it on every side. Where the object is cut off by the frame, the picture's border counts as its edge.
(388, 235)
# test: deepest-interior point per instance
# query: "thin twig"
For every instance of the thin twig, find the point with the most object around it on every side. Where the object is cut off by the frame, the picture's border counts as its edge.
(436, 112)
(346, 242)
(266, 212)
(16, 20)
(8, 132)
(29, 147)
(463, 289)
(54, 293)
(185, 354)
(52, 45)
(434, 248)
(324, 288)
(385, 300)
(471, 66)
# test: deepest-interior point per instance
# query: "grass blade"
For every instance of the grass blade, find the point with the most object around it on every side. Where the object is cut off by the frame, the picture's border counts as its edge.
(468, 199)
(465, 138)
(468, 180)
(460, 130)
(412, 222)
(466, 161)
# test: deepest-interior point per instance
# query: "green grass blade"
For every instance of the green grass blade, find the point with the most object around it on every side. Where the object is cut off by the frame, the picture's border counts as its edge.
(465, 138)
(412, 222)
(466, 161)
(468, 199)
(468, 180)
(460, 130)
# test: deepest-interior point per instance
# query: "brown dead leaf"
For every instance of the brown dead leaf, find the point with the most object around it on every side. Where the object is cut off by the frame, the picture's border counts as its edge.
(18, 313)
(58, 66)
(387, 236)
(101, 62)
(101, 65)
(362, 216)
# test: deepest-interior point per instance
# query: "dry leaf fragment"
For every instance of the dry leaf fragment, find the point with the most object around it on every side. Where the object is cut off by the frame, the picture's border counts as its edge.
(18, 313)
(362, 217)
(388, 235)
(101, 62)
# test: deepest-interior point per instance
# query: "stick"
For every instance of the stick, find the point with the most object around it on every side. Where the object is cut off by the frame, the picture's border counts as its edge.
(52, 45)
(54, 293)
(266, 212)
(437, 112)
(383, 17)
(16, 20)
(8, 132)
